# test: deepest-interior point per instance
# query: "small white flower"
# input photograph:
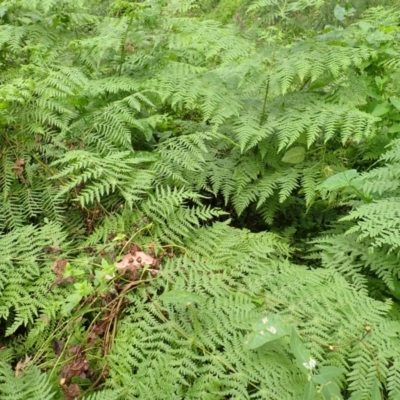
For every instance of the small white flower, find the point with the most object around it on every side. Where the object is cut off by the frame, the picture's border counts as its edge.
(272, 330)
(261, 332)
(311, 364)
(264, 320)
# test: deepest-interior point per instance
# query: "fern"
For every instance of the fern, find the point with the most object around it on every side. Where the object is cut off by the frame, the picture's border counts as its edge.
(31, 385)
(101, 176)
(171, 218)
(26, 382)
(26, 277)
(370, 243)
(212, 330)
(140, 125)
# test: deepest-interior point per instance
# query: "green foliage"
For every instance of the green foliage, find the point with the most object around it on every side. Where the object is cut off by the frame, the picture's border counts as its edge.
(211, 329)
(31, 385)
(26, 276)
(161, 176)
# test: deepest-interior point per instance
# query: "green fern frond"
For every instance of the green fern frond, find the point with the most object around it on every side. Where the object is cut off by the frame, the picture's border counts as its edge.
(172, 218)
(25, 276)
(106, 395)
(379, 222)
(31, 385)
(99, 176)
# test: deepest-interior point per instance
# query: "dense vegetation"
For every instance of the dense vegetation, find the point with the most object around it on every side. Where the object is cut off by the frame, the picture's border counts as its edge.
(199, 199)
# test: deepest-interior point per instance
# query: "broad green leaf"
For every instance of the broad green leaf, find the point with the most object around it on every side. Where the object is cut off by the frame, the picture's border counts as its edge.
(339, 181)
(295, 155)
(381, 109)
(70, 302)
(395, 101)
(331, 391)
(3, 11)
(365, 26)
(381, 81)
(310, 391)
(84, 288)
(396, 289)
(181, 297)
(266, 329)
(376, 391)
(302, 355)
(394, 128)
(394, 115)
(271, 320)
(258, 301)
(326, 374)
(258, 339)
(356, 396)
(378, 36)
(148, 134)
(339, 12)
(104, 263)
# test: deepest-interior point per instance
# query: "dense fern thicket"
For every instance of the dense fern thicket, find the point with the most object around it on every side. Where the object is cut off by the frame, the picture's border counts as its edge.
(199, 201)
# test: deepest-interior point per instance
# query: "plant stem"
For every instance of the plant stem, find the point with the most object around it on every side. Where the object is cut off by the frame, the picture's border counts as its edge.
(263, 112)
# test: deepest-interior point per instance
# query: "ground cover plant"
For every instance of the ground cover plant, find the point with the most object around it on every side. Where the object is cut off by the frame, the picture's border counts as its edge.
(199, 201)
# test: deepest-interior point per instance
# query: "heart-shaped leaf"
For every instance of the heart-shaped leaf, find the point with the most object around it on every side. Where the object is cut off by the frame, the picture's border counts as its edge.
(295, 155)
(339, 181)
(326, 374)
(267, 329)
(381, 109)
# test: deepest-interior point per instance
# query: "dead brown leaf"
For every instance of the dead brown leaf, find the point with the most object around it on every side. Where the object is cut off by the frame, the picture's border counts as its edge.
(19, 169)
(71, 392)
(21, 365)
(19, 166)
(133, 261)
(51, 249)
(57, 346)
(44, 318)
(99, 328)
(79, 365)
(59, 266)
(61, 281)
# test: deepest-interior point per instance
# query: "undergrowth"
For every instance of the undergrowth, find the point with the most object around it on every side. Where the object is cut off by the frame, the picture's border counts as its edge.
(199, 201)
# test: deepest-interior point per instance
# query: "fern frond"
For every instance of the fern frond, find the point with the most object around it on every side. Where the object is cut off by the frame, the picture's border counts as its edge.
(25, 276)
(31, 385)
(101, 176)
(171, 217)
